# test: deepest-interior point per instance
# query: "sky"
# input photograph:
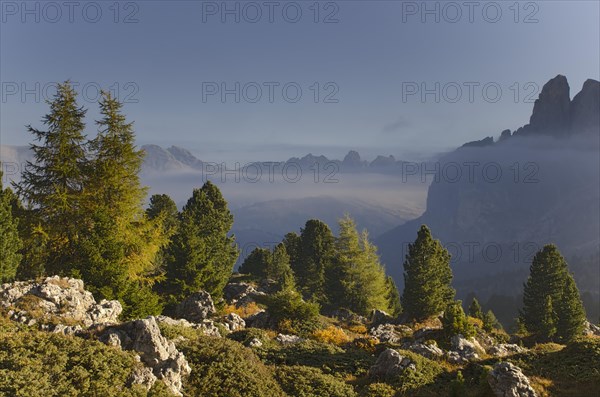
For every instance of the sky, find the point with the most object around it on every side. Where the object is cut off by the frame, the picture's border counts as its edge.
(268, 80)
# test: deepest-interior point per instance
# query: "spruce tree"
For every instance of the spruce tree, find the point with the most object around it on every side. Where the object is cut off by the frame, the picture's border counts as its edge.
(570, 312)
(552, 307)
(427, 277)
(10, 242)
(361, 277)
(475, 309)
(203, 251)
(163, 206)
(52, 185)
(315, 255)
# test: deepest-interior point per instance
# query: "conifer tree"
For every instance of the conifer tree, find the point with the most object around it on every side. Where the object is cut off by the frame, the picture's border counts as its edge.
(475, 309)
(279, 269)
(52, 184)
(427, 277)
(315, 255)
(10, 242)
(203, 251)
(454, 321)
(570, 312)
(120, 246)
(490, 322)
(163, 206)
(551, 303)
(361, 278)
(256, 263)
(393, 297)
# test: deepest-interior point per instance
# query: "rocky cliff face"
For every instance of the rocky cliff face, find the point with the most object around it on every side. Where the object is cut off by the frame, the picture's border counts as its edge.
(494, 204)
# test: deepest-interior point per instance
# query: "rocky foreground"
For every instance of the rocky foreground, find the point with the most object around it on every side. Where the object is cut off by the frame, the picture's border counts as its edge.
(383, 348)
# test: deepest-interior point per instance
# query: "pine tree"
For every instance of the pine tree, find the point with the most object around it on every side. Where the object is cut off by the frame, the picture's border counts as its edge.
(315, 255)
(551, 303)
(203, 252)
(393, 297)
(10, 242)
(279, 269)
(570, 311)
(163, 206)
(427, 277)
(256, 263)
(52, 185)
(120, 246)
(454, 321)
(361, 278)
(490, 322)
(475, 309)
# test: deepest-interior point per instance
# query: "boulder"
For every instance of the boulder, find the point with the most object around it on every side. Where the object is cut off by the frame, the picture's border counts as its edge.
(255, 342)
(590, 329)
(507, 380)
(239, 294)
(142, 376)
(390, 364)
(155, 351)
(348, 316)
(234, 322)
(505, 349)
(196, 307)
(463, 350)
(58, 298)
(380, 317)
(207, 326)
(389, 333)
(426, 350)
(259, 319)
(288, 339)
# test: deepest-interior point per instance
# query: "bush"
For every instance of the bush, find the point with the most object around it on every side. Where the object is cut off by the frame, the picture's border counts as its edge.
(287, 306)
(243, 311)
(244, 336)
(301, 381)
(378, 390)
(455, 321)
(331, 334)
(327, 357)
(35, 363)
(224, 368)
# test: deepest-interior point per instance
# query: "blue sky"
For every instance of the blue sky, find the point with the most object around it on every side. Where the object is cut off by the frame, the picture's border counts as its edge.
(354, 72)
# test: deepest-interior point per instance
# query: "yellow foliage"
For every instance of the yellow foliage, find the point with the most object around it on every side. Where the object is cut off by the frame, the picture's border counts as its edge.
(242, 311)
(331, 334)
(358, 329)
(475, 322)
(367, 344)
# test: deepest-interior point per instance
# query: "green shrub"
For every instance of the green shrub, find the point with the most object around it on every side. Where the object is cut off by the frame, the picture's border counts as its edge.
(174, 331)
(35, 363)
(378, 390)
(301, 381)
(329, 358)
(224, 368)
(287, 306)
(244, 336)
(455, 321)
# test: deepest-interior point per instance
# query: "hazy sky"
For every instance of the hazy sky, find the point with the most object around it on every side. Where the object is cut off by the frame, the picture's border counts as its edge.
(357, 73)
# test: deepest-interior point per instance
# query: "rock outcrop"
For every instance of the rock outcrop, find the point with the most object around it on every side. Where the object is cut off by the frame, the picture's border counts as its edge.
(426, 350)
(196, 307)
(288, 339)
(505, 349)
(389, 333)
(155, 351)
(390, 364)
(507, 380)
(463, 350)
(234, 322)
(207, 326)
(59, 299)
